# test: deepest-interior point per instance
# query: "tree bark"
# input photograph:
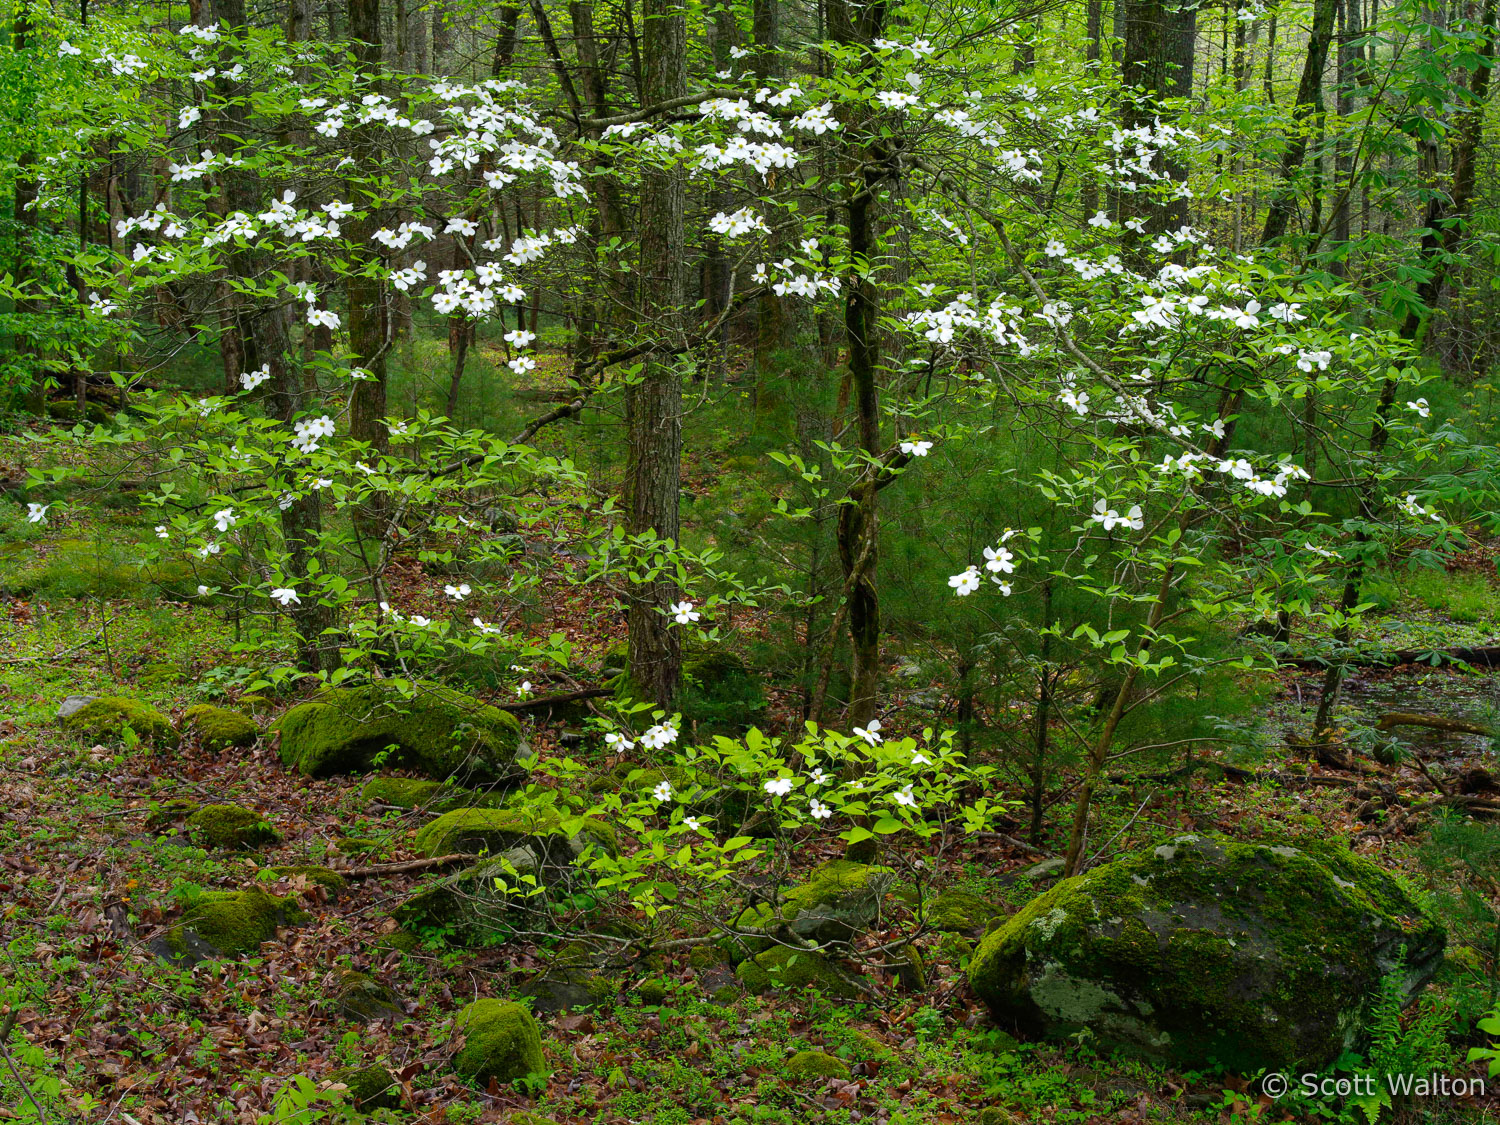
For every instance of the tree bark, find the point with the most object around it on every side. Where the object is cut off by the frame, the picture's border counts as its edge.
(1308, 109)
(268, 341)
(653, 406)
(1160, 42)
(858, 533)
(368, 316)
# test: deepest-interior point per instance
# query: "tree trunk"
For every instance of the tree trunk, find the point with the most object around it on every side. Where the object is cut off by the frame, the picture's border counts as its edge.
(267, 341)
(1443, 226)
(366, 299)
(1309, 106)
(653, 406)
(1160, 40)
(859, 522)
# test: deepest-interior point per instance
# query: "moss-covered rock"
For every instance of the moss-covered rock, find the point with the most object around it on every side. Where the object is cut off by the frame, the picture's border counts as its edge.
(362, 998)
(836, 902)
(370, 1087)
(431, 796)
(959, 912)
(807, 1066)
(228, 923)
(651, 992)
(501, 1040)
(437, 732)
(218, 729)
(171, 811)
(1205, 950)
(104, 720)
(781, 967)
(865, 1047)
(479, 831)
(325, 877)
(231, 827)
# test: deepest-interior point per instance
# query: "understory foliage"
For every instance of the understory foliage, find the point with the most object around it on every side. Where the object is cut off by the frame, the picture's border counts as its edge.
(1019, 362)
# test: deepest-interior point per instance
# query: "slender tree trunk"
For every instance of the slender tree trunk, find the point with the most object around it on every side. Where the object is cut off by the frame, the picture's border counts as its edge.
(268, 341)
(858, 533)
(27, 221)
(368, 316)
(653, 406)
(1308, 109)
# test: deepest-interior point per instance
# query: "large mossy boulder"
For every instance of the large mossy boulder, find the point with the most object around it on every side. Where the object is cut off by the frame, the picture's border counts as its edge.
(230, 827)
(835, 903)
(227, 924)
(437, 732)
(501, 1040)
(219, 729)
(1206, 951)
(497, 831)
(105, 719)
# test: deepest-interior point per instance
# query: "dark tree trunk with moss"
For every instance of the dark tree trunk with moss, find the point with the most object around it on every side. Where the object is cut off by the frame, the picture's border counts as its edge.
(267, 341)
(653, 405)
(365, 293)
(859, 518)
(1308, 109)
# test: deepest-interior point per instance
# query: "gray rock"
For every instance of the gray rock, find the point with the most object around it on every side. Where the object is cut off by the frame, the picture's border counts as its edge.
(1206, 951)
(74, 704)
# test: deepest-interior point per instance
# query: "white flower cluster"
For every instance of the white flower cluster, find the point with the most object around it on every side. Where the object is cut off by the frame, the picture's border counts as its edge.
(999, 562)
(740, 223)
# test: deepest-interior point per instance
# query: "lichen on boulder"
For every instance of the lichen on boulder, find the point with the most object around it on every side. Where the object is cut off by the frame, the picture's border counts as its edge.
(219, 729)
(105, 718)
(437, 732)
(1206, 951)
(501, 1041)
(230, 827)
(227, 923)
(493, 831)
(815, 1065)
(781, 967)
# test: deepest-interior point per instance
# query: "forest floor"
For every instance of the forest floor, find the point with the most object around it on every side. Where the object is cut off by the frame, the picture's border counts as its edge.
(93, 866)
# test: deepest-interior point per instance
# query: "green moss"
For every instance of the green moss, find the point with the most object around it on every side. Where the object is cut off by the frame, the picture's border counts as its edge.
(781, 967)
(1201, 949)
(323, 876)
(218, 729)
(810, 1065)
(525, 1117)
(105, 719)
(362, 998)
(865, 1047)
(433, 796)
(370, 1087)
(501, 1042)
(959, 912)
(237, 922)
(229, 826)
(178, 808)
(836, 902)
(402, 941)
(361, 845)
(437, 732)
(651, 992)
(475, 831)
